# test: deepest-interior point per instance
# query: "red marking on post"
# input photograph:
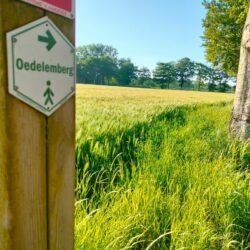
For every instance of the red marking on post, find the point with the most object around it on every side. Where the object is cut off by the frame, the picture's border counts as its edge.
(62, 7)
(63, 4)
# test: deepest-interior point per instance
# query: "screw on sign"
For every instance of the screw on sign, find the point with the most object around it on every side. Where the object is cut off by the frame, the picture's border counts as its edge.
(62, 7)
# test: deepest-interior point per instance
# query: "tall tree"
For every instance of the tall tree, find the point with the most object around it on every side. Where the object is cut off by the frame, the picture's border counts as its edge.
(184, 70)
(126, 72)
(211, 79)
(96, 70)
(222, 32)
(96, 50)
(96, 63)
(202, 73)
(221, 79)
(143, 73)
(165, 74)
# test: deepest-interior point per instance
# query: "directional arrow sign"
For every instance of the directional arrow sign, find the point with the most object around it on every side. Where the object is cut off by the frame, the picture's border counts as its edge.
(49, 39)
(41, 65)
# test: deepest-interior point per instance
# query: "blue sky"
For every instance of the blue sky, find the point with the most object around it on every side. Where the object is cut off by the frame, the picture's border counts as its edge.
(147, 31)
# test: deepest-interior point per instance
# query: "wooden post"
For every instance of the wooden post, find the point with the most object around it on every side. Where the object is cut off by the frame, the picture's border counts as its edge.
(36, 155)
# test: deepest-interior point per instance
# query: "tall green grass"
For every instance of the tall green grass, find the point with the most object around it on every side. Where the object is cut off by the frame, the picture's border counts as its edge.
(171, 181)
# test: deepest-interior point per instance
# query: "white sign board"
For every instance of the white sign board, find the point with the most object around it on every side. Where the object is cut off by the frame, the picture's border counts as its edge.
(41, 65)
(62, 7)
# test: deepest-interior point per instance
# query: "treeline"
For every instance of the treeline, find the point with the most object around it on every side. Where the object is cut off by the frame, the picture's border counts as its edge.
(99, 64)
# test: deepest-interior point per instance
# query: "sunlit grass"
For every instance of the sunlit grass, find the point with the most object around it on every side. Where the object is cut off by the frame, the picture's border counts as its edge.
(102, 107)
(156, 170)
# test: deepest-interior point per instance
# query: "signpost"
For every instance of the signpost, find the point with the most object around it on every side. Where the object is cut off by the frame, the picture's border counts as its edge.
(37, 127)
(41, 65)
(62, 7)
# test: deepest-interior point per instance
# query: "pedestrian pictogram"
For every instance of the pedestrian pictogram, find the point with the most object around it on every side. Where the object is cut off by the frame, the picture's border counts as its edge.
(48, 94)
(41, 65)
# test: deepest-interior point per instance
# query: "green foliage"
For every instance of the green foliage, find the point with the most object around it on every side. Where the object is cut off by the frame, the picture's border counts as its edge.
(143, 79)
(99, 64)
(126, 71)
(98, 70)
(143, 73)
(223, 27)
(96, 63)
(218, 80)
(96, 50)
(245, 156)
(202, 74)
(184, 70)
(165, 74)
(154, 176)
(211, 87)
(143, 83)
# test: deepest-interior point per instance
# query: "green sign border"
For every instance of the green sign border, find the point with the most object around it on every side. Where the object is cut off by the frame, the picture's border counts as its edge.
(15, 88)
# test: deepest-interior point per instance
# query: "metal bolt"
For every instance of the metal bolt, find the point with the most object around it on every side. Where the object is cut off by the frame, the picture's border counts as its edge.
(72, 88)
(72, 51)
(16, 88)
(14, 40)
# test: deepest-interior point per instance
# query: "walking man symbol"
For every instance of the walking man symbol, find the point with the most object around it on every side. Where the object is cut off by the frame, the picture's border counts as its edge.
(48, 94)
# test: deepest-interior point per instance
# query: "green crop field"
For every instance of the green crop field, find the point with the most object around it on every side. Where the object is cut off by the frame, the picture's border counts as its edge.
(156, 170)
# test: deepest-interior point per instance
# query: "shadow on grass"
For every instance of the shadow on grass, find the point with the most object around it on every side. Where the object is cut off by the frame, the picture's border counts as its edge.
(112, 158)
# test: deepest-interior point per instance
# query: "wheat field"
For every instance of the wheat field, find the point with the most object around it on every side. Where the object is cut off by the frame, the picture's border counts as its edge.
(155, 169)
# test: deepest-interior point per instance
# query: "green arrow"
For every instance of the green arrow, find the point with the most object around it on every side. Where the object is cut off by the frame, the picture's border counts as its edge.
(49, 39)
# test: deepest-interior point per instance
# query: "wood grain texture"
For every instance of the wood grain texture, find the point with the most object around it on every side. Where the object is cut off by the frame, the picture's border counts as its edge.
(37, 156)
(24, 217)
(61, 163)
(4, 205)
(61, 178)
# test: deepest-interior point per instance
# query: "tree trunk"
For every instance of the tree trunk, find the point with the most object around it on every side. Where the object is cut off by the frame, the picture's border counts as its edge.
(239, 126)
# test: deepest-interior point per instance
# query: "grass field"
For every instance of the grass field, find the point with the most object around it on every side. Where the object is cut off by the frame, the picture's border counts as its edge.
(156, 170)
(99, 107)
